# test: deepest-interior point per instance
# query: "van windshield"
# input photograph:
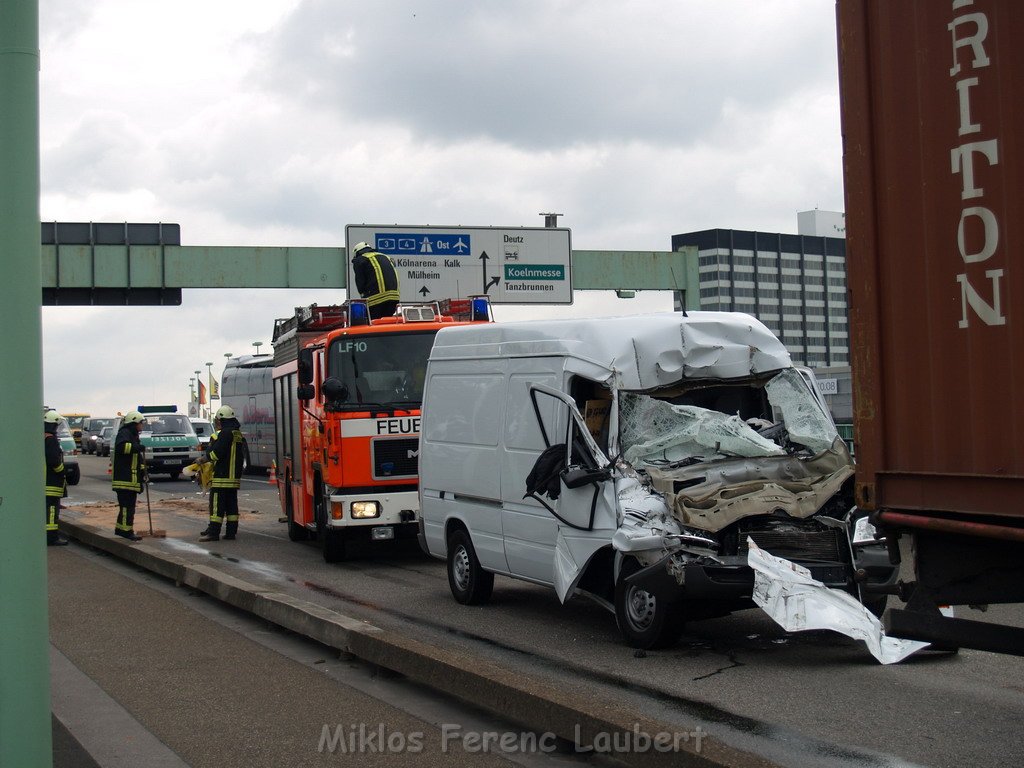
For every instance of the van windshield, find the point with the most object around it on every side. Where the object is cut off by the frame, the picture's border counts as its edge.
(168, 424)
(384, 370)
(777, 418)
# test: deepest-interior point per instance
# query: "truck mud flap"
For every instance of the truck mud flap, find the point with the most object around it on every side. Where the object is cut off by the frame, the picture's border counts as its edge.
(953, 632)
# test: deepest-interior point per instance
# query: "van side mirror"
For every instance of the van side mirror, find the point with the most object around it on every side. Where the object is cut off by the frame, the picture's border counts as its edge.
(577, 477)
(305, 367)
(305, 392)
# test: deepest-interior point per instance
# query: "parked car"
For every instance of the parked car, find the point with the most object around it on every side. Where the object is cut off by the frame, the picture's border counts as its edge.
(91, 429)
(104, 441)
(204, 430)
(67, 444)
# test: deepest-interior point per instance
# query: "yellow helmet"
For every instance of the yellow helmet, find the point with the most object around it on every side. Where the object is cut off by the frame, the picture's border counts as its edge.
(51, 417)
(225, 412)
(133, 417)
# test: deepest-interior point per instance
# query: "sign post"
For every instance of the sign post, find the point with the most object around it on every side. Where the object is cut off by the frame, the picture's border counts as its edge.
(509, 265)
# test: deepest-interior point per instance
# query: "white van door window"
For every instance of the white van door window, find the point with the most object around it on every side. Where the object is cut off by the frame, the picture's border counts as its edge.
(571, 469)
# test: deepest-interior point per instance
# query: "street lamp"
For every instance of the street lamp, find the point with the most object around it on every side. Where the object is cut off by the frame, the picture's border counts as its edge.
(257, 344)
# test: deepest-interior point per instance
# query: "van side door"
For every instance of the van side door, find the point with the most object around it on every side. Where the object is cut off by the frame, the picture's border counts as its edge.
(584, 515)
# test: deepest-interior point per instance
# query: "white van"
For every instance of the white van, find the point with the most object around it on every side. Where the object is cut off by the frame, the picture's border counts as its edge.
(629, 459)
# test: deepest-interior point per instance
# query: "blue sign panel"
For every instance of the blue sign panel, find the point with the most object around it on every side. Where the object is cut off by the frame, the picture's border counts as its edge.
(398, 244)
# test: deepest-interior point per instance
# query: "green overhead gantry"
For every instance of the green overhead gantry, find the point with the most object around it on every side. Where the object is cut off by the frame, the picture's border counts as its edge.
(102, 274)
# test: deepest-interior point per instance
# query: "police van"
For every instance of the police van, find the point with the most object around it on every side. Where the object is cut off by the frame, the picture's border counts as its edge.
(168, 438)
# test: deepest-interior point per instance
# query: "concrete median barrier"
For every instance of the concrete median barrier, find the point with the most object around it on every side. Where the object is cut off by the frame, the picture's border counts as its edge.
(580, 715)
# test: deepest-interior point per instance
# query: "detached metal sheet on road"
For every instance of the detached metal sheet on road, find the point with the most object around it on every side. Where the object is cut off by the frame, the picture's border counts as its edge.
(934, 166)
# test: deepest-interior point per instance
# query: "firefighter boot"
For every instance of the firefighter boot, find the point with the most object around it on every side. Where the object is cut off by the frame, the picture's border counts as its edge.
(231, 530)
(212, 533)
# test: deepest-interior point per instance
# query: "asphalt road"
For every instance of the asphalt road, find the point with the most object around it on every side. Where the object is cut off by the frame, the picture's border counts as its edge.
(814, 698)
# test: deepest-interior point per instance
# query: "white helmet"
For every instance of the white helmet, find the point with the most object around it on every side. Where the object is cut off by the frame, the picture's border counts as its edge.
(360, 247)
(133, 417)
(225, 412)
(51, 417)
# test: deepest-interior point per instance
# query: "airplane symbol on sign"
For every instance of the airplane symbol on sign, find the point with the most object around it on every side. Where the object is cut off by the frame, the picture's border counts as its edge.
(460, 246)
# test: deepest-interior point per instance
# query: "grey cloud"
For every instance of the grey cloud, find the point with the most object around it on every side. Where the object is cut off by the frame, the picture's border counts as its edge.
(538, 73)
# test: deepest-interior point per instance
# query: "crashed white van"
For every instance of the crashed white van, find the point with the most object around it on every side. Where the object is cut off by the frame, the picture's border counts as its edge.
(630, 458)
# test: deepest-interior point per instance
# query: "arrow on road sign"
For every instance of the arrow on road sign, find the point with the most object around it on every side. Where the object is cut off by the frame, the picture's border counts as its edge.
(494, 280)
(423, 290)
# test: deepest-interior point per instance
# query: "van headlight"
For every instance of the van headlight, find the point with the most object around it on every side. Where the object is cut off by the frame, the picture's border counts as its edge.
(864, 531)
(361, 510)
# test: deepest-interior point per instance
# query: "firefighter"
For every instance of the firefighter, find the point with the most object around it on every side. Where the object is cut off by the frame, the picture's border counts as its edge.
(376, 280)
(128, 473)
(55, 478)
(226, 454)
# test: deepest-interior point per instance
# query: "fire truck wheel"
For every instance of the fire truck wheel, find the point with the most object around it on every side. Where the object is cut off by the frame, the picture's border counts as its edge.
(334, 546)
(470, 584)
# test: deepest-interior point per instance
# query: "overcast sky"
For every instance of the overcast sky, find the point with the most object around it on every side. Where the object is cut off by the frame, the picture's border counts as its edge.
(278, 122)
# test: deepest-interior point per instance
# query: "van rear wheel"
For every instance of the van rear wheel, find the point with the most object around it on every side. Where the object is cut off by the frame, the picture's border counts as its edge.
(644, 620)
(470, 584)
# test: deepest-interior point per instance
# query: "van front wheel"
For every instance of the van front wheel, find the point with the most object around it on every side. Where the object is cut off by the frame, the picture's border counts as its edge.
(645, 620)
(470, 584)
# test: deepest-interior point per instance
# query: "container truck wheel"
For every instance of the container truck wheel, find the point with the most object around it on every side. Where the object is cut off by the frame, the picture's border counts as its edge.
(470, 584)
(645, 620)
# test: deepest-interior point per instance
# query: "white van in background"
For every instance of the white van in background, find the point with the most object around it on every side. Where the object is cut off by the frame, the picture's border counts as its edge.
(630, 458)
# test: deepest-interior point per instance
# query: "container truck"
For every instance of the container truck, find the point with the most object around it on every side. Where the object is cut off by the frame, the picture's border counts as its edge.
(933, 136)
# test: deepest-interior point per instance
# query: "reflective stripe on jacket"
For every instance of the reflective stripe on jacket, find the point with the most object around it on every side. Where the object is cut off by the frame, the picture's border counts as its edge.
(126, 473)
(226, 453)
(376, 278)
(55, 472)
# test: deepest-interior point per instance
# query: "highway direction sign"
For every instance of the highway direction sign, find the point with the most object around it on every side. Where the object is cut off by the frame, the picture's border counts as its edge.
(510, 265)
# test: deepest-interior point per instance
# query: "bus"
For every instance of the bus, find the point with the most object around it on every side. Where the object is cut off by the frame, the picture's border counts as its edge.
(246, 386)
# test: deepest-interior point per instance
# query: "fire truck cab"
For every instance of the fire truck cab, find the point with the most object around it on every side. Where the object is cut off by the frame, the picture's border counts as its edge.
(347, 396)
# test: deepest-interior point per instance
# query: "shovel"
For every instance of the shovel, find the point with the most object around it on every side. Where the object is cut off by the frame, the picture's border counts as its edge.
(158, 534)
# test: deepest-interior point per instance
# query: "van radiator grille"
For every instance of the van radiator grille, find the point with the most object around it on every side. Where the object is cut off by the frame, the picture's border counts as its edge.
(395, 458)
(799, 545)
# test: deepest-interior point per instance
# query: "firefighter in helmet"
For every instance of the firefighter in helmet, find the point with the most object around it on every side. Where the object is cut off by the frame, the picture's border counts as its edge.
(226, 453)
(376, 280)
(128, 473)
(55, 478)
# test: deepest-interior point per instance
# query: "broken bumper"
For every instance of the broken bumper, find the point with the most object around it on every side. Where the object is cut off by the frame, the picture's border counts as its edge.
(732, 579)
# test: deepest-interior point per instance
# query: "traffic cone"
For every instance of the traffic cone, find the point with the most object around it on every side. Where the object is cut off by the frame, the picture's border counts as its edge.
(273, 473)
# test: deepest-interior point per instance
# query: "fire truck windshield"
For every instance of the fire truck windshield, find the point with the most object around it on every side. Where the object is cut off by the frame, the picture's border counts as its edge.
(387, 369)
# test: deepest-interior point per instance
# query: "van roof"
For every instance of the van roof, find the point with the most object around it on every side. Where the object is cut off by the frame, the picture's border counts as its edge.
(648, 351)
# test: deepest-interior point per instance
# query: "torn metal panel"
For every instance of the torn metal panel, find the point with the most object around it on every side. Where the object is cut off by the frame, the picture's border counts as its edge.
(720, 452)
(717, 502)
(797, 602)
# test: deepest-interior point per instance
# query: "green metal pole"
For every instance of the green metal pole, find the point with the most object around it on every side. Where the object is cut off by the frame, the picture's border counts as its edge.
(25, 737)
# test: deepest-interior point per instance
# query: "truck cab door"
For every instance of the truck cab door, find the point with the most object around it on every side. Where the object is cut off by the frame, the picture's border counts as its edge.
(585, 508)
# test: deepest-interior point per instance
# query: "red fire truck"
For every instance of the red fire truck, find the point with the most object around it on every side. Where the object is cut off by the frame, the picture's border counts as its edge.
(347, 394)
